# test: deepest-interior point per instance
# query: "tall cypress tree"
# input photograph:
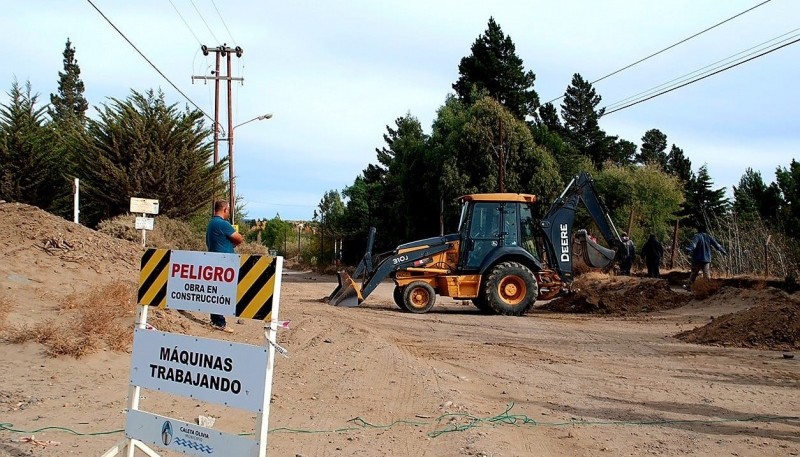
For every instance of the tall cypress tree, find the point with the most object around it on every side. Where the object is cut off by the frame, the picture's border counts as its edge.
(69, 105)
(581, 115)
(143, 147)
(494, 69)
(68, 115)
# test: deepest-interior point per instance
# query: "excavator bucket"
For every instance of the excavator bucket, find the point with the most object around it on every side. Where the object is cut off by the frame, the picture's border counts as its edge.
(347, 293)
(595, 255)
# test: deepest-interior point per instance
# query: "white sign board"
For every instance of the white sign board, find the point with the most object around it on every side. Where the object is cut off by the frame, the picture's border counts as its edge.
(184, 437)
(144, 205)
(203, 281)
(144, 223)
(222, 372)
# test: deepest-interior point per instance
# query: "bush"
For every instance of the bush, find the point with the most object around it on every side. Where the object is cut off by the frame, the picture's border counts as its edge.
(167, 233)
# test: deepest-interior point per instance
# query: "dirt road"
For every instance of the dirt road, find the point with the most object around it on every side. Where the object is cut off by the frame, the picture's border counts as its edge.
(375, 381)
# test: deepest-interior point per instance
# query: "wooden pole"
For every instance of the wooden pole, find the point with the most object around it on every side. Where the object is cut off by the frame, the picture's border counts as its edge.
(766, 257)
(674, 244)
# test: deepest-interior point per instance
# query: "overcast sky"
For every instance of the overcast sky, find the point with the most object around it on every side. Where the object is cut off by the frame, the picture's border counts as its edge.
(334, 74)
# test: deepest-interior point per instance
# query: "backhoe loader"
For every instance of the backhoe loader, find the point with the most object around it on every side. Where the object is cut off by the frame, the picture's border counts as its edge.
(501, 258)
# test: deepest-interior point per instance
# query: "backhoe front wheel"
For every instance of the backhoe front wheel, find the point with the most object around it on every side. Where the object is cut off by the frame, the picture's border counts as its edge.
(510, 289)
(418, 297)
(397, 295)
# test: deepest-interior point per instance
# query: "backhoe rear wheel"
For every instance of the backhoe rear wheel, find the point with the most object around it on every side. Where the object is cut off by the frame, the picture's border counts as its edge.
(510, 289)
(397, 295)
(419, 297)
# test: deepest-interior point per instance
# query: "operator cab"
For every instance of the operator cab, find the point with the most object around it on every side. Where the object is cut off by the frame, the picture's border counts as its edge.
(494, 221)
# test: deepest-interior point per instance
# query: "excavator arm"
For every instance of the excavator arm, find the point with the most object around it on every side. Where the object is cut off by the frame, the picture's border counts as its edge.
(557, 226)
(349, 293)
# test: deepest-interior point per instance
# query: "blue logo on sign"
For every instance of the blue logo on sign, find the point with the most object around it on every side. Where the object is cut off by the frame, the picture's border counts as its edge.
(166, 433)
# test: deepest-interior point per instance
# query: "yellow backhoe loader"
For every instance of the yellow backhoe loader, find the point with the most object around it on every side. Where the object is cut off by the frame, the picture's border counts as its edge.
(500, 258)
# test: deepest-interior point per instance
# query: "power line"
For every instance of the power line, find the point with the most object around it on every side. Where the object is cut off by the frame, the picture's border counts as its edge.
(185, 23)
(204, 21)
(700, 70)
(671, 46)
(148, 60)
(223, 23)
(701, 78)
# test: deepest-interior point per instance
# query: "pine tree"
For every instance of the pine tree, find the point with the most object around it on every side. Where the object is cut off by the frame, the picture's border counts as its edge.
(581, 116)
(789, 183)
(27, 165)
(494, 69)
(703, 204)
(679, 165)
(654, 149)
(142, 147)
(755, 200)
(69, 106)
(548, 116)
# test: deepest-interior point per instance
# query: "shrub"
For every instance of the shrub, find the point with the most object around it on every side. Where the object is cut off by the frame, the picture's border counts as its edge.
(167, 233)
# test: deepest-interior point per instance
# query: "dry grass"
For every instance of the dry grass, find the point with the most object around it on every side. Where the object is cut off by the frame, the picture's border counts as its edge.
(88, 323)
(5, 309)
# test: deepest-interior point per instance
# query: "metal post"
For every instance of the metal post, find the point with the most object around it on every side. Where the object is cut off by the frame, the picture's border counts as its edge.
(76, 210)
(144, 232)
(230, 144)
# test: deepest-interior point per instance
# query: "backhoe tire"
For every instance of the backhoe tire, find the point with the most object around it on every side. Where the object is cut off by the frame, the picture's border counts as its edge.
(397, 295)
(510, 289)
(418, 297)
(480, 303)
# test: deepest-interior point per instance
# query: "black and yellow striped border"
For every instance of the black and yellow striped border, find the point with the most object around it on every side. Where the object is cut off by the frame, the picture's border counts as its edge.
(254, 292)
(256, 287)
(153, 275)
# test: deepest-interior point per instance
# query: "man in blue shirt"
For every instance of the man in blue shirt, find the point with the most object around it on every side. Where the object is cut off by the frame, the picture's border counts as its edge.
(700, 251)
(221, 237)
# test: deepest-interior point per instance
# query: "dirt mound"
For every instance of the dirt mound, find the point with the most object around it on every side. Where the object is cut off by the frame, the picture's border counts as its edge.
(621, 295)
(36, 242)
(773, 323)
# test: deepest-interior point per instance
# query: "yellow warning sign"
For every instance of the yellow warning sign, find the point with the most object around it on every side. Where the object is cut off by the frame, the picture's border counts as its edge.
(254, 289)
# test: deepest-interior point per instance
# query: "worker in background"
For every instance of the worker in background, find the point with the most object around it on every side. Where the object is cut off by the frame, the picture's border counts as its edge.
(221, 237)
(700, 252)
(630, 253)
(652, 251)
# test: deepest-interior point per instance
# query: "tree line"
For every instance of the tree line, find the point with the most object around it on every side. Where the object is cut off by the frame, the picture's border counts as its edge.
(493, 134)
(138, 146)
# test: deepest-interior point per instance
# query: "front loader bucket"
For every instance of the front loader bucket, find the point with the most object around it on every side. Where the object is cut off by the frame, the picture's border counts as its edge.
(595, 255)
(347, 293)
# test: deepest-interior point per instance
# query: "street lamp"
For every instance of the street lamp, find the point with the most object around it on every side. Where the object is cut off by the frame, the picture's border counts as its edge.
(230, 161)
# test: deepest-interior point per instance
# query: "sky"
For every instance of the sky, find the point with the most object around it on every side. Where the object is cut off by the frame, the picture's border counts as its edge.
(335, 74)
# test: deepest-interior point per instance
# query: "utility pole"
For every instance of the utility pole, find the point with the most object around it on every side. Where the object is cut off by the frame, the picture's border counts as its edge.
(223, 51)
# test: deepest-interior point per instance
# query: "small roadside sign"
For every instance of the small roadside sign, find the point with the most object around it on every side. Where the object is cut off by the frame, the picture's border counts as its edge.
(216, 371)
(177, 435)
(144, 205)
(144, 223)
